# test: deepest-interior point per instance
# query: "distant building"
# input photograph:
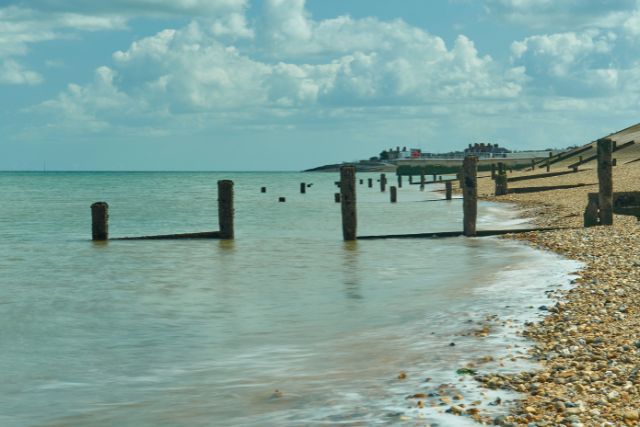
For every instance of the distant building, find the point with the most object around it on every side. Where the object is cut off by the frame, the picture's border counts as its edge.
(486, 150)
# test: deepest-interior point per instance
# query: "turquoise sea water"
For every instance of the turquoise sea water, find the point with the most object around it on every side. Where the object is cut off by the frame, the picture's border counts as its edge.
(202, 333)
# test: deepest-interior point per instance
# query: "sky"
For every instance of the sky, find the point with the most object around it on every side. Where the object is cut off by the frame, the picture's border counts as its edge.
(293, 84)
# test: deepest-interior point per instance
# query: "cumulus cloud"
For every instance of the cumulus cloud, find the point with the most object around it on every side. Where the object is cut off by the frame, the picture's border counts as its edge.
(311, 66)
(565, 14)
(12, 72)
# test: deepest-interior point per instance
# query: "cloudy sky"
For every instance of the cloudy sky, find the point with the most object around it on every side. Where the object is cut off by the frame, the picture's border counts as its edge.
(291, 84)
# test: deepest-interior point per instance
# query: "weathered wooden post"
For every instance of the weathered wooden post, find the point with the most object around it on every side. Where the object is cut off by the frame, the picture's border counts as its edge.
(548, 166)
(225, 208)
(282, 199)
(533, 164)
(263, 189)
(421, 181)
(399, 181)
(410, 179)
(348, 200)
(439, 177)
(493, 171)
(470, 194)
(393, 192)
(501, 183)
(574, 168)
(614, 162)
(447, 190)
(605, 197)
(100, 221)
(303, 188)
(383, 182)
(591, 212)
(370, 182)
(434, 177)
(361, 181)
(580, 159)
(336, 197)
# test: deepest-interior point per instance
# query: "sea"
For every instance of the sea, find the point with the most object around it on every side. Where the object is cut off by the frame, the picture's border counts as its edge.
(287, 325)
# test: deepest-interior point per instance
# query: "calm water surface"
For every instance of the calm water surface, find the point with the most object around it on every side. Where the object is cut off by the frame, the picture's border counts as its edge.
(201, 333)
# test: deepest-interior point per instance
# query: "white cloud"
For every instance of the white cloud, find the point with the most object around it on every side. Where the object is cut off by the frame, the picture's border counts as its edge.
(13, 73)
(561, 54)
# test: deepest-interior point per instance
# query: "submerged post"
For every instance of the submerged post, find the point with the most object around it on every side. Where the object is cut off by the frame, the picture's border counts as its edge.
(605, 197)
(447, 190)
(470, 194)
(100, 221)
(399, 181)
(263, 189)
(348, 200)
(393, 192)
(336, 197)
(361, 181)
(383, 182)
(225, 208)
(370, 182)
(303, 188)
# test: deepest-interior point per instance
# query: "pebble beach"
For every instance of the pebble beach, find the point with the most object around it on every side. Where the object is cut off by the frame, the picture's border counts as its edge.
(588, 346)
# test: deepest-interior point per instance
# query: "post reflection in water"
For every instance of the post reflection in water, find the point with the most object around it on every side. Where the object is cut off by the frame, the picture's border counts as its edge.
(350, 270)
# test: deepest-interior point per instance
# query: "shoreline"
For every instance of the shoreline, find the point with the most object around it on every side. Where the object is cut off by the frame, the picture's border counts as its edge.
(587, 346)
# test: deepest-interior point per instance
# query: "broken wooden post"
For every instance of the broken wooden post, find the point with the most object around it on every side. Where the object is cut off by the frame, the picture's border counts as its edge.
(447, 190)
(591, 212)
(393, 192)
(605, 197)
(336, 197)
(470, 194)
(370, 182)
(303, 188)
(225, 208)
(399, 181)
(348, 200)
(100, 221)
(263, 189)
(421, 181)
(383, 182)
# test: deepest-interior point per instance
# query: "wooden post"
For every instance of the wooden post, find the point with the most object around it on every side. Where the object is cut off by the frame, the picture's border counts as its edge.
(370, 182)
(439, 177)
(447, 190)
(281, 199)
(263, 189)
(399, 181)
(605, 198)
(434, 177)
(422, 181)
(410, 179)
(383, 182)
(361, 181)
(336, 197)
(348, 200)
(493, 171)
(574, 168)
(100, 221)
(591, 212)
(470, 194)
(393, 192)
(533, 164)
(614, 162)
(580, 159)
(548, 165)
(303, 188)
(225, 208)
(501, 184)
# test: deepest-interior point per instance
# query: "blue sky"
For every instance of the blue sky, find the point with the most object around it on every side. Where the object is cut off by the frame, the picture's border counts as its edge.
(292, 84)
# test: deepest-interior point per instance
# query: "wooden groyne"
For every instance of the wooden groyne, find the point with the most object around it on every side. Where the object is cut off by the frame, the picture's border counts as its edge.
(100, 220)
(449, 234)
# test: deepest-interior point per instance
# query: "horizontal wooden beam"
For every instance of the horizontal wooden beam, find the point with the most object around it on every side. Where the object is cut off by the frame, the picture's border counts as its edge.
(446, 234)
(595, 156)
(548, 188)
(537, 176)
(202, 235)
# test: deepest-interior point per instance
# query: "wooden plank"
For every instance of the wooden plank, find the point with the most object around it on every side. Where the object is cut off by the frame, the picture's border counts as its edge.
(549, 188)
(537, 176)
(447, 234)
(202, 235)
(595, 156)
